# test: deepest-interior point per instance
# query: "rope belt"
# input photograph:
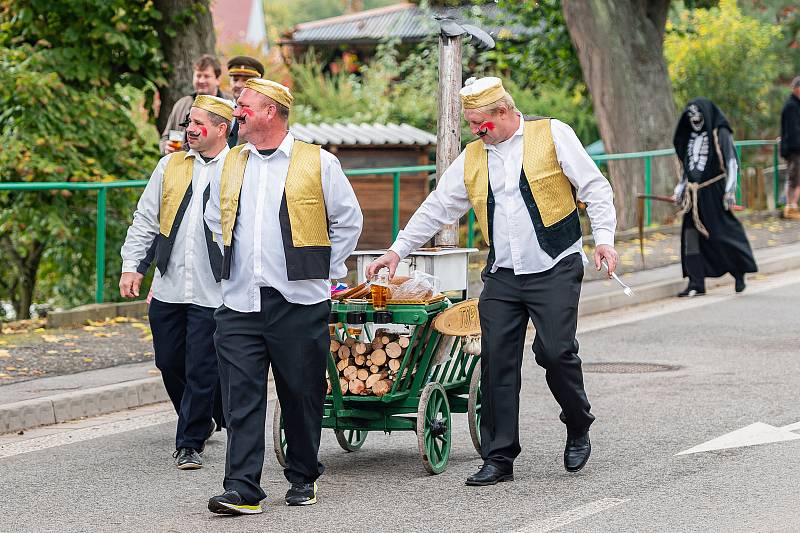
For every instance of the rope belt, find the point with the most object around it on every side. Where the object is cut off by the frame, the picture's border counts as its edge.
(690, 202)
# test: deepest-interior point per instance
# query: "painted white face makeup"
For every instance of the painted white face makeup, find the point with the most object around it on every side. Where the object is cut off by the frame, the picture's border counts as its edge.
(695, 118)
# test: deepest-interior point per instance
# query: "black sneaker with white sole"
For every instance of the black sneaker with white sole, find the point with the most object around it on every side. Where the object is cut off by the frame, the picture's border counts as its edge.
(302, 494)
(232, 503)
(187, 459)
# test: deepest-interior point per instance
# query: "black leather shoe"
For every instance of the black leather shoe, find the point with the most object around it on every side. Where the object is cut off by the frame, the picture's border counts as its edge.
(187, 459)
(576, 452)
(691, 293)
(740, 285)
(489, 475)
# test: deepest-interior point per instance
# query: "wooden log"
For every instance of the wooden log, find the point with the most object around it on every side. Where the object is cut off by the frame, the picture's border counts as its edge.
(356, 386)
(378, 357)
(374, 378)
(394, 350)
(362, 348)
(344, 352)
(374, 369)
(382, 387)
(404, 341)
(350, 373)
(343, 385)
(349, 342)
(368, 362)
(386, 339)
(394, 365)
(335, 345)
(344, 363)
(376, 343)
(362, 374)
(360, 360)
(329, 388)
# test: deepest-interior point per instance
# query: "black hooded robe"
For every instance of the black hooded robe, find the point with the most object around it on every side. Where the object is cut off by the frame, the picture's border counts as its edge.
(726, 250)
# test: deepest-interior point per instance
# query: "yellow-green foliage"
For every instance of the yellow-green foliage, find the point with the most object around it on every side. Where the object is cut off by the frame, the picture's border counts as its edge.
(729, 58)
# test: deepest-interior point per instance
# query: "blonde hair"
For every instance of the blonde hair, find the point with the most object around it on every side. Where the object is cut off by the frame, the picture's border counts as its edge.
(507, 101)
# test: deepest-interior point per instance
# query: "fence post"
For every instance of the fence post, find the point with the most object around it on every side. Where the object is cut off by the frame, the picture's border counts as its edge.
(100, 248)
(470, 228)
(738, 174)
(395, 205)
(776, 174)
(648, 187)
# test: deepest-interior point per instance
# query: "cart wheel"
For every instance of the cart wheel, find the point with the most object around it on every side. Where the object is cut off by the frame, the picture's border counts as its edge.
(351, 440)
(474, 407)
(434, 431)
(279, 436)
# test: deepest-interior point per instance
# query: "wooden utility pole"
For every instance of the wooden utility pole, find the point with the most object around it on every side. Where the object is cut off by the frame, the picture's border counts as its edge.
(448, 137)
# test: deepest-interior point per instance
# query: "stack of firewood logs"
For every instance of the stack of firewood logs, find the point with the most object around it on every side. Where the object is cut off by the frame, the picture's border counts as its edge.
(367, 368)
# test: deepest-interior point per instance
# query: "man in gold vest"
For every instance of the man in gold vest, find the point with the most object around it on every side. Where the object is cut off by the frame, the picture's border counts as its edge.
(287, 218)
(522, 178)
(168, 228)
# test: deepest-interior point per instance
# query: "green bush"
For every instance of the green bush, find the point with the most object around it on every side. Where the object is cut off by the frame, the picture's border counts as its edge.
(723, 55)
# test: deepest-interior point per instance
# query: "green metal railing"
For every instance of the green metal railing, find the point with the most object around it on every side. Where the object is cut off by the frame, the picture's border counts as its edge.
(648, 167)
(396, 172)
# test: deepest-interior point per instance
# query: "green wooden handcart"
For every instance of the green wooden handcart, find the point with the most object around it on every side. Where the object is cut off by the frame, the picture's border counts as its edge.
(435, 379)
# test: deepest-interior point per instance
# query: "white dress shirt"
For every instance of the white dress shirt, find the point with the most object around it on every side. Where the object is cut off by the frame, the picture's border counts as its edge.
(258, 258)
(514, 238)
(189, 279)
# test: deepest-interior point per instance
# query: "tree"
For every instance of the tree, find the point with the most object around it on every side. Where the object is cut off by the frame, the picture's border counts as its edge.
(620, 48)
(545, 56)
(726, 56)
(66, 108)
(186, 31)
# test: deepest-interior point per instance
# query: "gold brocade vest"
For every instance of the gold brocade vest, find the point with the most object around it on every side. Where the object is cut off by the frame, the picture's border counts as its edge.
(176, 194)
(303, 217)
(548, 194)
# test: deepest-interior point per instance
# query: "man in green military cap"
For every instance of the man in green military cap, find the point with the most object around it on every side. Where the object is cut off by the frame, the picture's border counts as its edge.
(241, 69)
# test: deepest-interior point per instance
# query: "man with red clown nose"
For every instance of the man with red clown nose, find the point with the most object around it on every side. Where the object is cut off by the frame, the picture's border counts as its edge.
(522, 177)
(168, 228)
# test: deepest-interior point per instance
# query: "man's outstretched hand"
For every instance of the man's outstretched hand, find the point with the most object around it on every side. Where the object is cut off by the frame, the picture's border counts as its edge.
(388, 260)
(607, 253)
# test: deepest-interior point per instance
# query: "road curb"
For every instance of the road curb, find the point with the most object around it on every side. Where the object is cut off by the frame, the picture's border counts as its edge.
(660, 290)
(63, 407)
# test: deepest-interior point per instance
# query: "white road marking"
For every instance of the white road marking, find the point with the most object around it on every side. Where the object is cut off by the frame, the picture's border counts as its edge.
(792, 427)
(71, 432)
(752, 435)
(568, 517)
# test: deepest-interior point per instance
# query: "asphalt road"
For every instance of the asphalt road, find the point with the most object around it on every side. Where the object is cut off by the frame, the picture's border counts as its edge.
(737, 362)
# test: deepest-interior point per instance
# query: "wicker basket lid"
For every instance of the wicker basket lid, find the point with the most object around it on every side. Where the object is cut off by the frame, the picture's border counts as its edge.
(460, 320)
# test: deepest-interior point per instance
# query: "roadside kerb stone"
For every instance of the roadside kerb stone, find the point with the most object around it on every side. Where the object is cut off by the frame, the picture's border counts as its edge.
(68, 406)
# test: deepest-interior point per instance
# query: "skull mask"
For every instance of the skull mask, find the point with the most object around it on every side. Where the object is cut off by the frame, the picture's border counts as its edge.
(695, 118)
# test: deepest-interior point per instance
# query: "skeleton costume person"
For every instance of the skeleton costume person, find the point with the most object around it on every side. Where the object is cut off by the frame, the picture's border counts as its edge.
(713, 242)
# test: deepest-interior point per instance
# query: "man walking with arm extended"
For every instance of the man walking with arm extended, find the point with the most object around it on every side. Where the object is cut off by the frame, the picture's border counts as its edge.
(522, 178)
(287, 219)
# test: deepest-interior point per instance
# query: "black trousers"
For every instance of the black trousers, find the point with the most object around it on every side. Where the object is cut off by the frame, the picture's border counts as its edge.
(183, 341)
(293, 339)
(507, 303)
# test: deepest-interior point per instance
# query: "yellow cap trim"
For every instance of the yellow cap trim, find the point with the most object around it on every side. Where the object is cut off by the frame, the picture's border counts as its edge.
(243, 71)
